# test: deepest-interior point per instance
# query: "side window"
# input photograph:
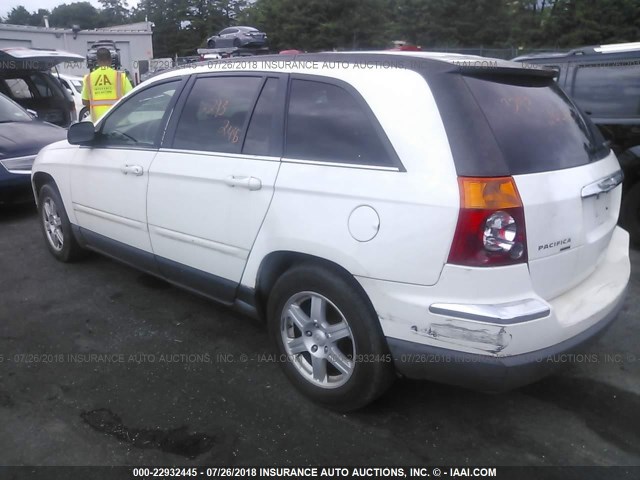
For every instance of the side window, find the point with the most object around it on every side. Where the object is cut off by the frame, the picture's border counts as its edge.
(608, 91)
(326, 123)
(138, 120)
(215, 114)
(259, 137)
(19, 88)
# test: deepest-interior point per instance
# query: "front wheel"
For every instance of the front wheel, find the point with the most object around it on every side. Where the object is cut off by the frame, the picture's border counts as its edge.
(329, 338)
(56, 227)
(211, 44)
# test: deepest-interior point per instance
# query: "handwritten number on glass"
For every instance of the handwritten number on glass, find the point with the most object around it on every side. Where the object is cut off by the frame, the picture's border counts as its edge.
(230, 132)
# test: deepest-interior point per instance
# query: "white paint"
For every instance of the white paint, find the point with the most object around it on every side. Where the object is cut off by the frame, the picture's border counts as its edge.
(197, 218)
(555, 210)
(107, 201)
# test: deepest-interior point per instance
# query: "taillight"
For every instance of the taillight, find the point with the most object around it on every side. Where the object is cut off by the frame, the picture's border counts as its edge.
(491, 228)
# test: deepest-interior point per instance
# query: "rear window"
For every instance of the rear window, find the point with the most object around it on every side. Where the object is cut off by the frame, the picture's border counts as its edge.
(514, 124)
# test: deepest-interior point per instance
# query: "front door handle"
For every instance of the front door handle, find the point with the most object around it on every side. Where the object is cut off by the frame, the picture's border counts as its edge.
(133, 169)
(250, 183)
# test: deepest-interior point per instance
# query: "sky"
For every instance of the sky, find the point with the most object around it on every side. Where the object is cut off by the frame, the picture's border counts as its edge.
(33, 5)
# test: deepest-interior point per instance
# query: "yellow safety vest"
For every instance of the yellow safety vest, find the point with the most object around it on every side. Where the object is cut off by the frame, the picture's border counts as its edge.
(105, 87)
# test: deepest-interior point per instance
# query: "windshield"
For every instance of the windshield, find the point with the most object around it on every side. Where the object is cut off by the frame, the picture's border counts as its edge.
(10, 112)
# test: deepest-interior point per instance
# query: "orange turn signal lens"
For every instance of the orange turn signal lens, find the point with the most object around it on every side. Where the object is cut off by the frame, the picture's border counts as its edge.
(488, 193)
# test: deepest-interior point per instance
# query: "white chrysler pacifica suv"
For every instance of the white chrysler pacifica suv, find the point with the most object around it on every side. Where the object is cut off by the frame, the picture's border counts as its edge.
(435, 216)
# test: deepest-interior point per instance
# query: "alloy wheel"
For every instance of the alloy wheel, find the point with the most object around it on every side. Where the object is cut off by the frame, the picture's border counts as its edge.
(318, 340)
(52, 224)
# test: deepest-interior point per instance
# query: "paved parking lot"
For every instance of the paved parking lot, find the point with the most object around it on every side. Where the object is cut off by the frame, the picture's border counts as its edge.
(103, 365)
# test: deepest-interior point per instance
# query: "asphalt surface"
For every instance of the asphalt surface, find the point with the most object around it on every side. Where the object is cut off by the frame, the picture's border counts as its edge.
(177, 380)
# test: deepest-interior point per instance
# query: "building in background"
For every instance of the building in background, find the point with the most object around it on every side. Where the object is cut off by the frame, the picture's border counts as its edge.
(133, 41)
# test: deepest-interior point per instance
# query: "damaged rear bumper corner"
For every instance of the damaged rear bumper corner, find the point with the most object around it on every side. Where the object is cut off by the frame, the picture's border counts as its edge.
(487, 372)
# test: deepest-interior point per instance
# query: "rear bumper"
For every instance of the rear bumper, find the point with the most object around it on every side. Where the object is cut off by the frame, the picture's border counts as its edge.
(489, 328)
(490, 373)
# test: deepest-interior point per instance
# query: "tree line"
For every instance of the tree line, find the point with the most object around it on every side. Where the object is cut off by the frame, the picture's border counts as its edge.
(181, 26)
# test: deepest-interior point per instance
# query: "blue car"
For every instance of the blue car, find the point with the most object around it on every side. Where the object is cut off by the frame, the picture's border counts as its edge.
(21, 138)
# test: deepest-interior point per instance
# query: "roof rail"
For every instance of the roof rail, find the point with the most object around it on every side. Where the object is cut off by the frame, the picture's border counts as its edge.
(612, 48)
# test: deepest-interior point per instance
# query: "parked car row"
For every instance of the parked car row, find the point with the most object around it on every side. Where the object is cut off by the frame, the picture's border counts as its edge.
(435, 220)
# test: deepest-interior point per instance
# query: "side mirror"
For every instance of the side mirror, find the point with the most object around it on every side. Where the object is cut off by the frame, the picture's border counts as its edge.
(33, 113)
(81, 133)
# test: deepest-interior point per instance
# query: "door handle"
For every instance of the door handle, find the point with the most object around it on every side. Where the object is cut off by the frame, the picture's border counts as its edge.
(134, 169)
(250, 183)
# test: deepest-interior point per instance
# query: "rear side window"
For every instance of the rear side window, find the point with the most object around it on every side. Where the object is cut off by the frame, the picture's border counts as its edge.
(215, 114)
(526, 125)
(326, 123)
(608, 91)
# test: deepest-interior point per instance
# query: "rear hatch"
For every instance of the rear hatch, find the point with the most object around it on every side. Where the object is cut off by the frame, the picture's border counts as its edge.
(25, 77)
(40, 92)
(19, 58)
(517, 122)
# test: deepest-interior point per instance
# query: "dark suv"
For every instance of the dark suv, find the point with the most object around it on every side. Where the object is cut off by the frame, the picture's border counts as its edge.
(92, 60)
(605, 83)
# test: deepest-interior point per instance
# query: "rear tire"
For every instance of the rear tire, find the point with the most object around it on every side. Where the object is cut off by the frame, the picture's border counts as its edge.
(330, 336)
(630, 214)
(56, 227)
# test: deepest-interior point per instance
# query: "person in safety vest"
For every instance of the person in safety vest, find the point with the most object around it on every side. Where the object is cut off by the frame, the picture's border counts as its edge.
(104, 86)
